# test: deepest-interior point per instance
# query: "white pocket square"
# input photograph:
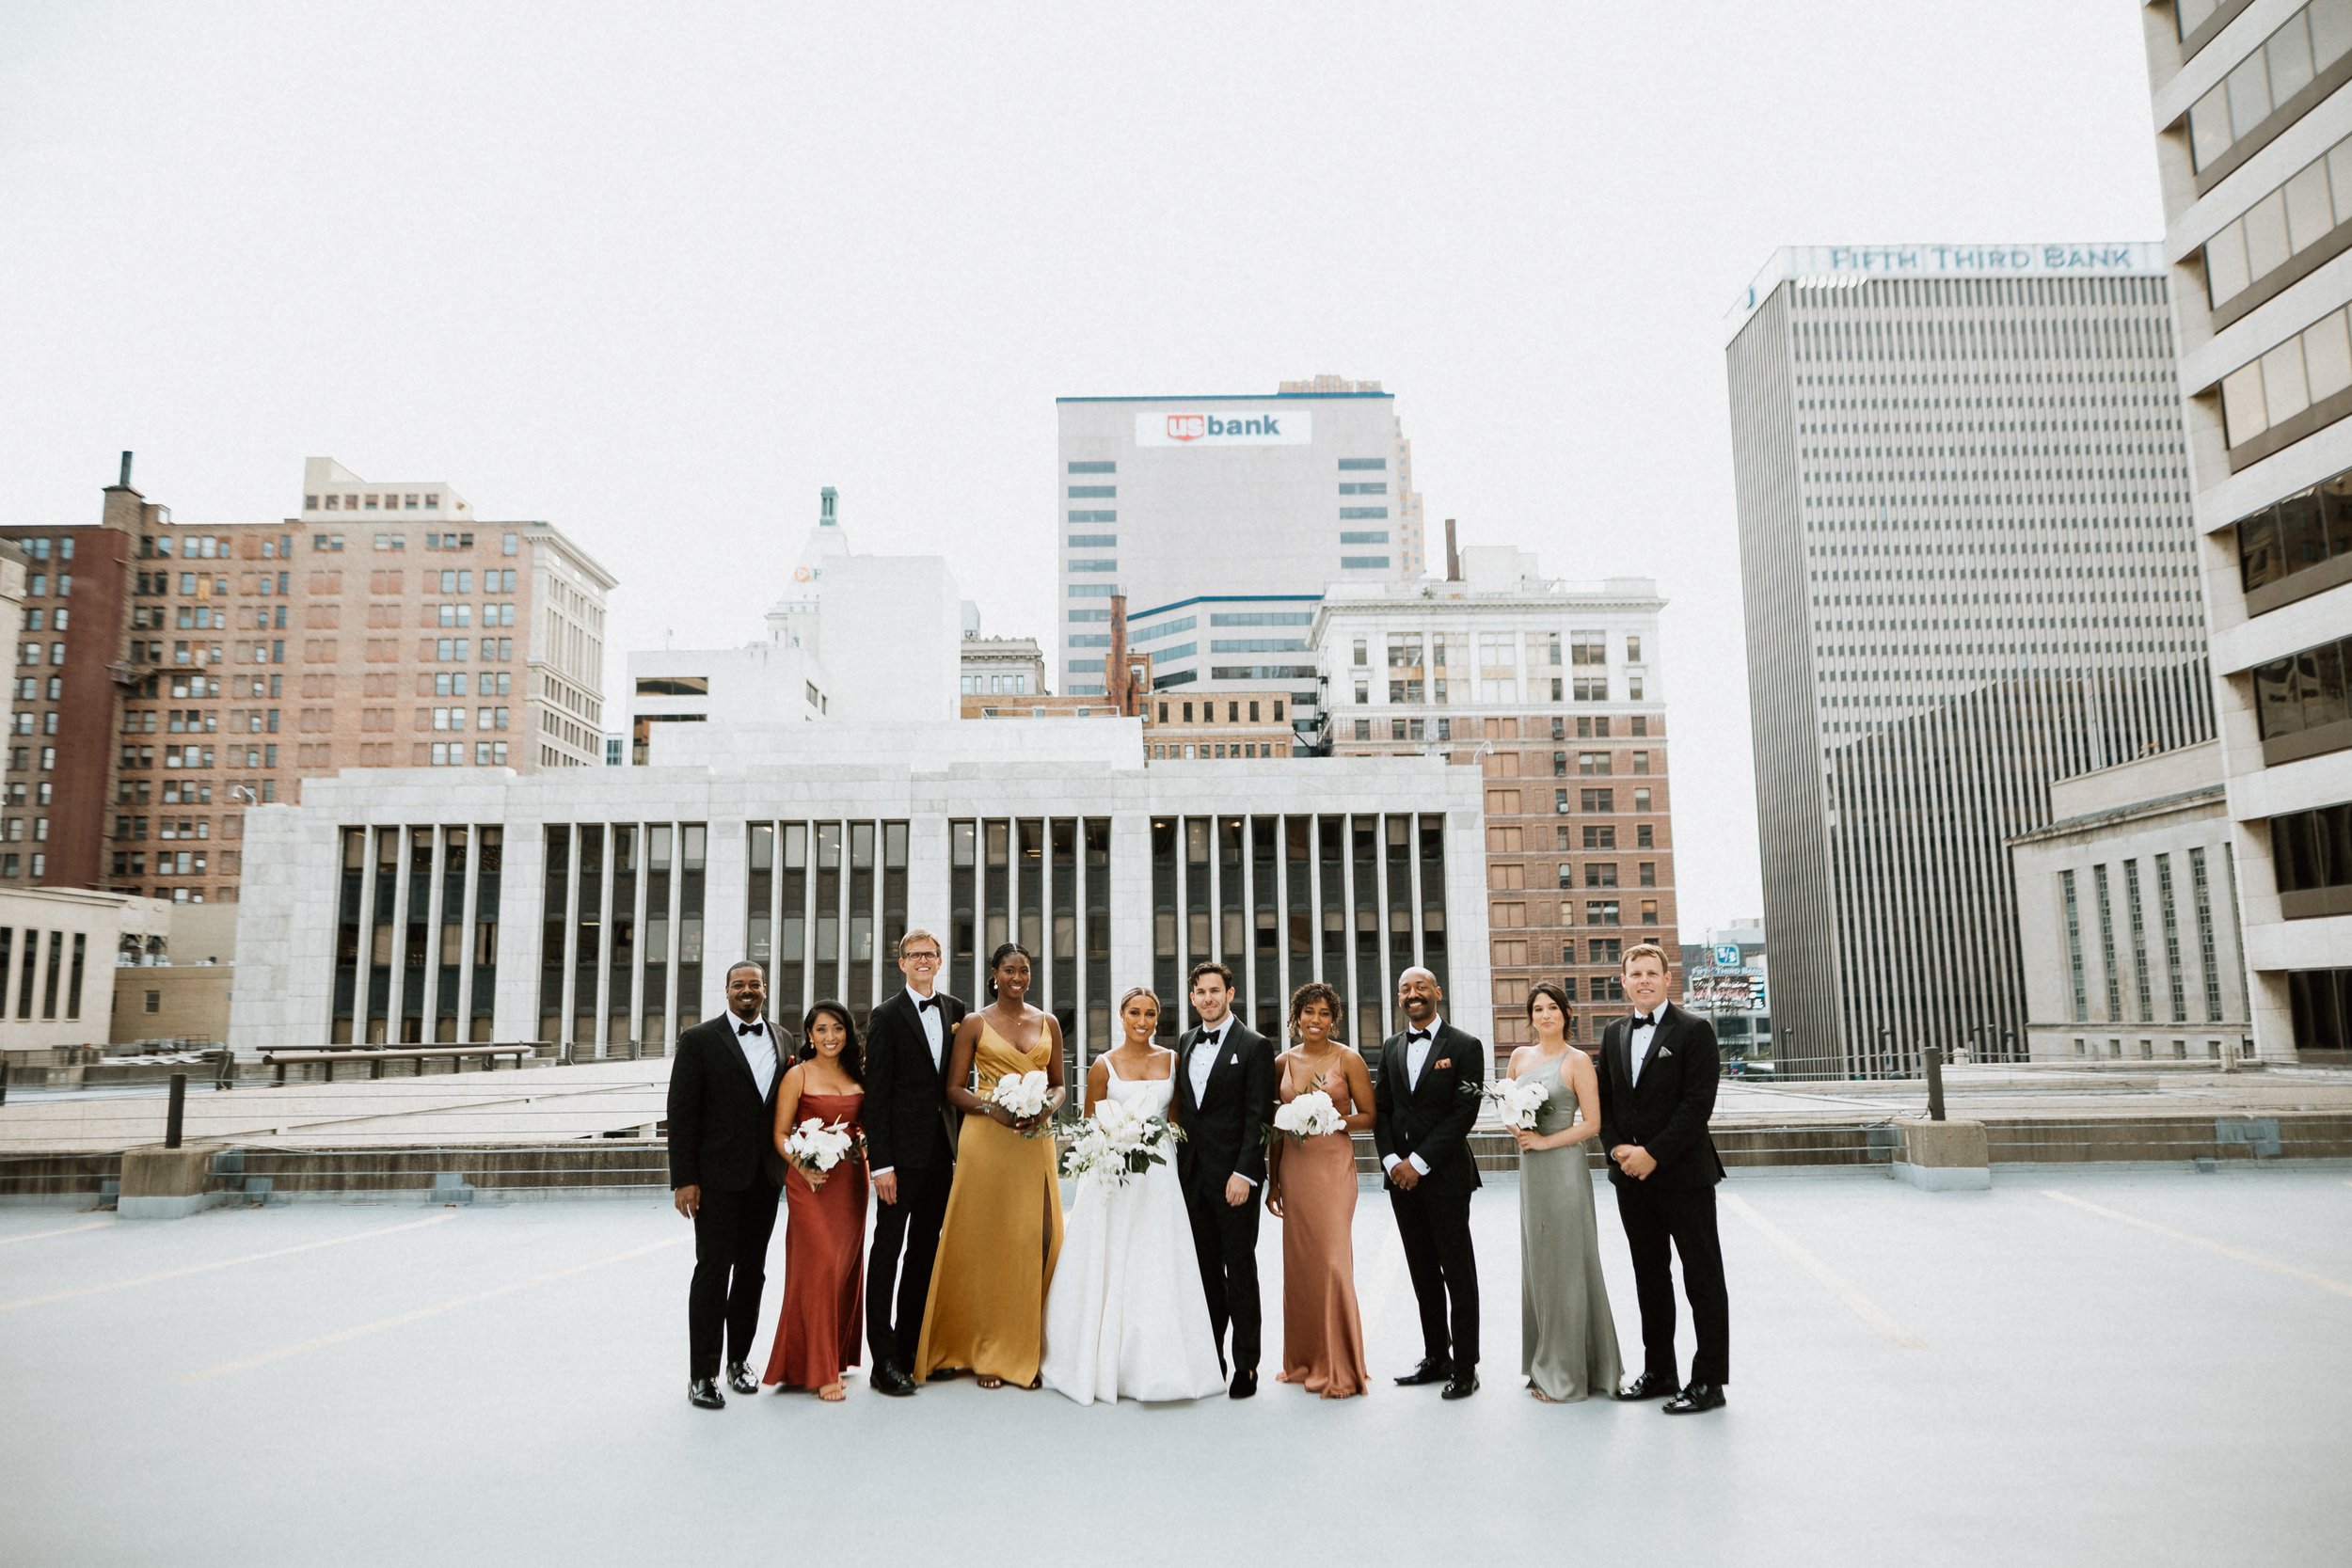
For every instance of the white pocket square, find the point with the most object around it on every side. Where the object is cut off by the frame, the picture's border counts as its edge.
(1234, 1060)
(1664, 1055)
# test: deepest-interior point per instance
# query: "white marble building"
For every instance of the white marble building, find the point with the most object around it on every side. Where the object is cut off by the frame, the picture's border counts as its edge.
(602, 907)
(2128, 919)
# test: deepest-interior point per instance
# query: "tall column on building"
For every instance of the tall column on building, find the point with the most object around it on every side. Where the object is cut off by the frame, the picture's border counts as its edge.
(2253, 116)
(1968, 570)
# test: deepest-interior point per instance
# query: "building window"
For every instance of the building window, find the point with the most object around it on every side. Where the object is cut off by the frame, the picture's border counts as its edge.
(2074, 946)
(2107, 942)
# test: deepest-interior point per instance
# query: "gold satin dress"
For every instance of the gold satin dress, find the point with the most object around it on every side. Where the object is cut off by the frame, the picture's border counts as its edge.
(986, 1311)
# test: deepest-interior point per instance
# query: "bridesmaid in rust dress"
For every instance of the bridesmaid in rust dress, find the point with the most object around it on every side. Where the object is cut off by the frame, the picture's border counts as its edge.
(824, 1270)
(1311, 1186)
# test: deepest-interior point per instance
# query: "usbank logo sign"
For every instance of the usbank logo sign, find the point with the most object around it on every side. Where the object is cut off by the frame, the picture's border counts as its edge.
(1273, 427)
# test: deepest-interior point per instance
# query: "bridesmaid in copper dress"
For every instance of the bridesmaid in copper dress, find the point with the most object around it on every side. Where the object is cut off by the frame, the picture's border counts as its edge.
(1311, 1186)
(824, 1270)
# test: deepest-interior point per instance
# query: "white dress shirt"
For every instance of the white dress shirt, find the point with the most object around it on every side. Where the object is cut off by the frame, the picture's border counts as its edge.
(934, 1029)
(1638, 1042)
(1203, 1061)
(759, 1052)
(1416, 1057)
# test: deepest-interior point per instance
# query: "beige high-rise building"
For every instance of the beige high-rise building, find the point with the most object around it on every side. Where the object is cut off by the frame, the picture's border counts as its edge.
(168, 676)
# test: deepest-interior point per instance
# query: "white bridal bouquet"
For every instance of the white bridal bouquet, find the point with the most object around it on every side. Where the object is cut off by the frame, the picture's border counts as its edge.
(1518, 1100)
(1021, 1094)
(1114, 1145)
(817, 1147)
(1310, 1115)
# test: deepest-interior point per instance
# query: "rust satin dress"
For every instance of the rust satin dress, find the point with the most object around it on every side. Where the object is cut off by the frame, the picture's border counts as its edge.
(824, 1262)
(1323, 1333)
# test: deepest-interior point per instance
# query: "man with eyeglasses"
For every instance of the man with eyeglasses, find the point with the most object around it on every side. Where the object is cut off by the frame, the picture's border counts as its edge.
(910, 1146)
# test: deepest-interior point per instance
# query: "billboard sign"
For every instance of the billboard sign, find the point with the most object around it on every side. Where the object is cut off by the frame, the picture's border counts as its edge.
(1273, 426)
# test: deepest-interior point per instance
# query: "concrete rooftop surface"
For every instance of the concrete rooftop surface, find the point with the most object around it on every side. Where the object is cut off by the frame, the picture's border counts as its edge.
(2087, 1367)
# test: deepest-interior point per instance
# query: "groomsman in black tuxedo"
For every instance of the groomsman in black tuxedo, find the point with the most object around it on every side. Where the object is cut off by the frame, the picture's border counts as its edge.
(1224, 1101)
(1424, 1102)
(911, 1144)
(1657, 1075)
(726, 1177)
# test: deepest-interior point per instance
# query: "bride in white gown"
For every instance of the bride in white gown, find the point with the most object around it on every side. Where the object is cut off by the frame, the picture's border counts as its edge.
(1125, 1316)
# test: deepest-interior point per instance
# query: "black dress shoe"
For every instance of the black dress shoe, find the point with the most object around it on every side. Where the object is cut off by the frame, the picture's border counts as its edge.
(740, 1379)
(1430, 1370)
(1463, 1384)
(944, 1374)
(1697, 1397)
(1650, 1385)
(888, 1379)
(1245, 1383)
(703, 1393)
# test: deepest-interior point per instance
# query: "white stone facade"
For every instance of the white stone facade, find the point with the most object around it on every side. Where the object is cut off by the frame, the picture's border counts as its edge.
(927, 799)
(2126, 916)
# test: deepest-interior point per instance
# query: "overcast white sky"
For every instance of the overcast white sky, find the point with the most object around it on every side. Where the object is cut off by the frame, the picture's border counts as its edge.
(656, 273)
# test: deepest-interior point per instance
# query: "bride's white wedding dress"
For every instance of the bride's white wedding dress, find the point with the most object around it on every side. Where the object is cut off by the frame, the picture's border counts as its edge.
(1125, 1317)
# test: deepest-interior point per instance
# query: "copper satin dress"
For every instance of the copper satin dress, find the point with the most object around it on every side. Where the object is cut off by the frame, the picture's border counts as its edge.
(823, 1320)
(1323, 1333)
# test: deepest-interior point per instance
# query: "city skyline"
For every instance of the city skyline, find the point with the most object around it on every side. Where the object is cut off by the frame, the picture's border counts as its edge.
(595, 328)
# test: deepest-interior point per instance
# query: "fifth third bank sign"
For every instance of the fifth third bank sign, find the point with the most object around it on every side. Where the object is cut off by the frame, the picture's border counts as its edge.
(1265, 427)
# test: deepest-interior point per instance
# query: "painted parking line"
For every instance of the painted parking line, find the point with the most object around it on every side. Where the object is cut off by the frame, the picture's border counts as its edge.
(2237, 1254)
(79, 1292)
(1881, 1322)
(67, 1230)
(357, 1331)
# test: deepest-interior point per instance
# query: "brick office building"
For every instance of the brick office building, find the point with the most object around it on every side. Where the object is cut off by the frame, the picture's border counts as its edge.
(168, 676)
(1553, 691)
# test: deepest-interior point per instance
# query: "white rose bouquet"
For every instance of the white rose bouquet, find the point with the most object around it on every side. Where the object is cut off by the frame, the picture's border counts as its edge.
(1021, 1095)
(1114, 1145)
(815, 1148)
(1310, 1115)
(1518, 1100)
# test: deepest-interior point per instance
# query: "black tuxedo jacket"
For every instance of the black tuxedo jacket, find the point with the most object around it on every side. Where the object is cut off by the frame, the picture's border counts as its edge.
(722, 1132)
(1225, 1131)
(1432, 1118)
(906, 1095)
(1666, 1113)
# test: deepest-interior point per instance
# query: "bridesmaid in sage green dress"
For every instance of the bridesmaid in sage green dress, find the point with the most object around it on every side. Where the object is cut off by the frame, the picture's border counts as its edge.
(1567, 1339)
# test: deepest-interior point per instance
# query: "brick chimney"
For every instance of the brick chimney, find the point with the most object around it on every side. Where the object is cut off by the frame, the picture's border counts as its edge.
(1117, 684)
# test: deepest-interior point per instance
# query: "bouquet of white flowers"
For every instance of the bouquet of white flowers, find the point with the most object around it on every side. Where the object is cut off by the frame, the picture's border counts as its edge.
(1021, 1095)
(1310, 1115)
(817, 1147)
(1518, 1100)
(1114, 1145)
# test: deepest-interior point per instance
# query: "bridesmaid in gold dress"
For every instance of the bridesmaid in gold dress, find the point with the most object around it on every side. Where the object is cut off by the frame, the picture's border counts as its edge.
(1310, 1187)
(986, 1312)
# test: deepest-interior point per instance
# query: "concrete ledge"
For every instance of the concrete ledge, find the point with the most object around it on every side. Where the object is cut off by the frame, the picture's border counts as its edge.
(1942, 1156)
(160, 1183)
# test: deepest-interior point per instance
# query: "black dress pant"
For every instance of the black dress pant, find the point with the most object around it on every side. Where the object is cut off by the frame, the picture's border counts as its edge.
(731, 1231)
(1436, 1233)
(908, 1228)
(1225, 1238)
(1682, 1219)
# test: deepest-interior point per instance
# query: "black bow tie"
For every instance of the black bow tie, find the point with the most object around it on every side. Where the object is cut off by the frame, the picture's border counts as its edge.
(1644, 1020)
(1412, 1034)
(754, 1027)
(1211, 1040)
(922, 1002)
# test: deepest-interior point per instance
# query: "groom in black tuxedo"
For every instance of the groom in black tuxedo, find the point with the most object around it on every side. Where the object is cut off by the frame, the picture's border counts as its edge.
(1657, 1075)
(726, 1177)
(1425, 1103)
(909, 1142)
(1223, 1100)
